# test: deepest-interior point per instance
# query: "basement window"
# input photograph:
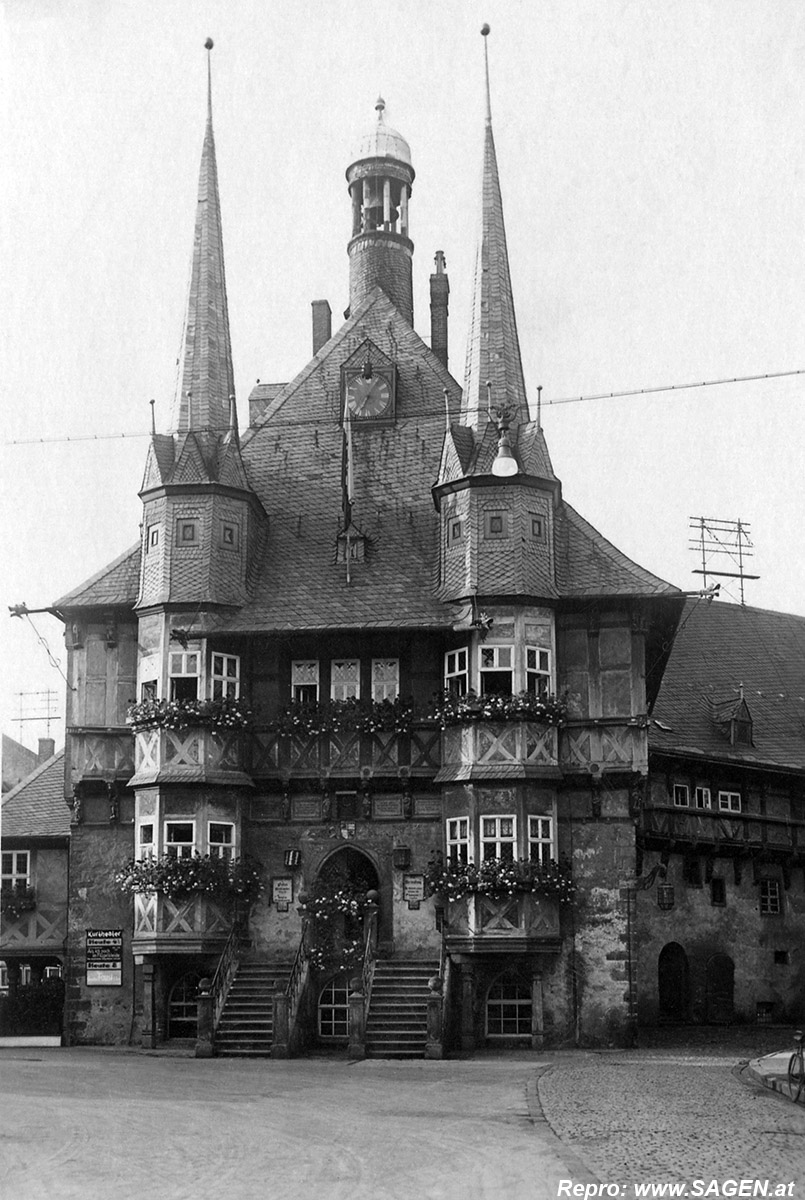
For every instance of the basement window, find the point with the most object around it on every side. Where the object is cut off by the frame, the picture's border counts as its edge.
(334, 1010)
(508, 1009)
(781, 958)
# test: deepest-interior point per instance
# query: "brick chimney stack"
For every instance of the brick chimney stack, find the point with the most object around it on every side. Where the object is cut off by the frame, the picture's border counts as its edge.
(47, 748)
(322, 324)
(439, 292)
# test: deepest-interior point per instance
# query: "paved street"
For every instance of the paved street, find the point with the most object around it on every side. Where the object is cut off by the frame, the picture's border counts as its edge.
(110, 1125)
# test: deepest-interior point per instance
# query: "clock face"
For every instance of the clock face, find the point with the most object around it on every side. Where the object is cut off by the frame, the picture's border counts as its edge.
(367, 398)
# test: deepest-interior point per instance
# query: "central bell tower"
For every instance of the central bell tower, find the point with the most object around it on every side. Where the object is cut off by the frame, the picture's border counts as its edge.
(380, 250)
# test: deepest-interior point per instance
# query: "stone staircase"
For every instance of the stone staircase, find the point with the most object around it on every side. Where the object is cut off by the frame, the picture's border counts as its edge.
(397, 1022)
(246, 1027)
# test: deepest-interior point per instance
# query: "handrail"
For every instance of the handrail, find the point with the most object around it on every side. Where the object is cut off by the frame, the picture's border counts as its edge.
(369, 957)
(225, 971)
(297, 978)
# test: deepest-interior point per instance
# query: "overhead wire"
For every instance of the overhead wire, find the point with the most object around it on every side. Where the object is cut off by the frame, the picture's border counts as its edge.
(435, 415)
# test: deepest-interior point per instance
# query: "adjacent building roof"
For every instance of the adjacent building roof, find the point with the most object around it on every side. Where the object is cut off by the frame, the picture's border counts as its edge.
(723, 652)
(36, 807)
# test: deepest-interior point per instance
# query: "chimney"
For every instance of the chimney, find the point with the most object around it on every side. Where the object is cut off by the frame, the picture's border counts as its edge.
(322, 324)
(439, 291)
(47, 748)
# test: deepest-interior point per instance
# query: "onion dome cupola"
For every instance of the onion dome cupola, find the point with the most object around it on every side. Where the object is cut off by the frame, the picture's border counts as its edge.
(380, 251)
(497, 491)
(201, 519)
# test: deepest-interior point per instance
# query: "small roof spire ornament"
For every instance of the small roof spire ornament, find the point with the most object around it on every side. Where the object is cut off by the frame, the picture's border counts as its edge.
(380, 106)
(485, 35)
(208, 45)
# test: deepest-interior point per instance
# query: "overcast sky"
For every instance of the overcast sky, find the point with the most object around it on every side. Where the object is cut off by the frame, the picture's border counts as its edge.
(651, 161)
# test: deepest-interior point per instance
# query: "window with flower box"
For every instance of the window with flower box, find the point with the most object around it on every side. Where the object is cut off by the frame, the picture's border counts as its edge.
(146, 847)
(385, 678)
(498, 837)
(456, 671)
(497, 670)
(180, 839)
(459, 849)
(184, 669)
(305, 681)
(16, 872)
(537, 671)
(225, 676)
(221, 839)
(540, 840)
(345, 679)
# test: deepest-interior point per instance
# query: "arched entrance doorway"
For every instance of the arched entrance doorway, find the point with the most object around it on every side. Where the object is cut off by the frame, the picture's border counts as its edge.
(351, 873)
(720, 989)
(673, 983)
(183, 1006)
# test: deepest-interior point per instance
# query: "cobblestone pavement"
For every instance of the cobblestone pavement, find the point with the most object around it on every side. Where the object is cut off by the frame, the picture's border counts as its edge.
(672, 1115)
(106, 1125)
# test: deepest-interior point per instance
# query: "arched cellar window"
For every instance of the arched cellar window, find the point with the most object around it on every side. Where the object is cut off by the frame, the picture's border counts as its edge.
(509, 1008)
(334, 1009)
(183, 1006)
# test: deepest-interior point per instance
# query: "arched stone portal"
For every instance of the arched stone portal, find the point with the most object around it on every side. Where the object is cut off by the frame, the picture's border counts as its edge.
(673, 983)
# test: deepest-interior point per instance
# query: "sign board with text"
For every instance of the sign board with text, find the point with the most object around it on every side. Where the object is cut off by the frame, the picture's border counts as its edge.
(414, 890)
(104, 958)
(282, 892)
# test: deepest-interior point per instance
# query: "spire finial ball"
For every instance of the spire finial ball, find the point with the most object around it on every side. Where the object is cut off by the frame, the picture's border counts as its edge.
(484, 30)
(208, 45)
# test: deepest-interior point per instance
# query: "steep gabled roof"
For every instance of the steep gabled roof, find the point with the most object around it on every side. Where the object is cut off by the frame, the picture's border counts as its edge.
(723, 650)
(589, 565)
(36, 807)
(114, 586)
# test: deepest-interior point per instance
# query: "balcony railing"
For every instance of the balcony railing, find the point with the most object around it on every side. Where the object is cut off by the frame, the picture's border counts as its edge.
(714, 828)
(498, 750)
(194, 923)
(101, 754)
(195, 754)
(346, 752)
(612, 744)
(502, 924)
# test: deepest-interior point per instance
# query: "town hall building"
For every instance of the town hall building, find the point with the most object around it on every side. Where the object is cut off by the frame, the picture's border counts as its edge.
(358, 731)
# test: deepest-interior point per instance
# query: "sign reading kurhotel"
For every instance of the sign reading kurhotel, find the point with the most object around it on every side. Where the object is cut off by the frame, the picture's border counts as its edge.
(104, 957)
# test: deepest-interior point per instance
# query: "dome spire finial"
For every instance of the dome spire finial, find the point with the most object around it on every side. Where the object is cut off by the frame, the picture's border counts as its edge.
(380, 105)
(485, 35)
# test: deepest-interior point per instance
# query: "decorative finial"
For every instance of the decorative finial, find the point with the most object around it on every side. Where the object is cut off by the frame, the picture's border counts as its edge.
(380, 104)
(208, 45)
(485, 35)
(153, 417)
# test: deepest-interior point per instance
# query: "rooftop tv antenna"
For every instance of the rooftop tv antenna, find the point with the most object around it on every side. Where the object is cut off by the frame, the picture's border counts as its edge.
(711, 536)
(37, 706)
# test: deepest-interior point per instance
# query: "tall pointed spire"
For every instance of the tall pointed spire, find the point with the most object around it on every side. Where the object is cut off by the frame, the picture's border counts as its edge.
(493, 348)
(206, 379)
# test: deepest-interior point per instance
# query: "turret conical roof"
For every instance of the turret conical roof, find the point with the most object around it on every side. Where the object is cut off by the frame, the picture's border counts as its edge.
(206, 379)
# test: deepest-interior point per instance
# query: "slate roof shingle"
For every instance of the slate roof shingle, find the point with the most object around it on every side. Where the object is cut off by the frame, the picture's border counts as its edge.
(719, 648)
(36, 807)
